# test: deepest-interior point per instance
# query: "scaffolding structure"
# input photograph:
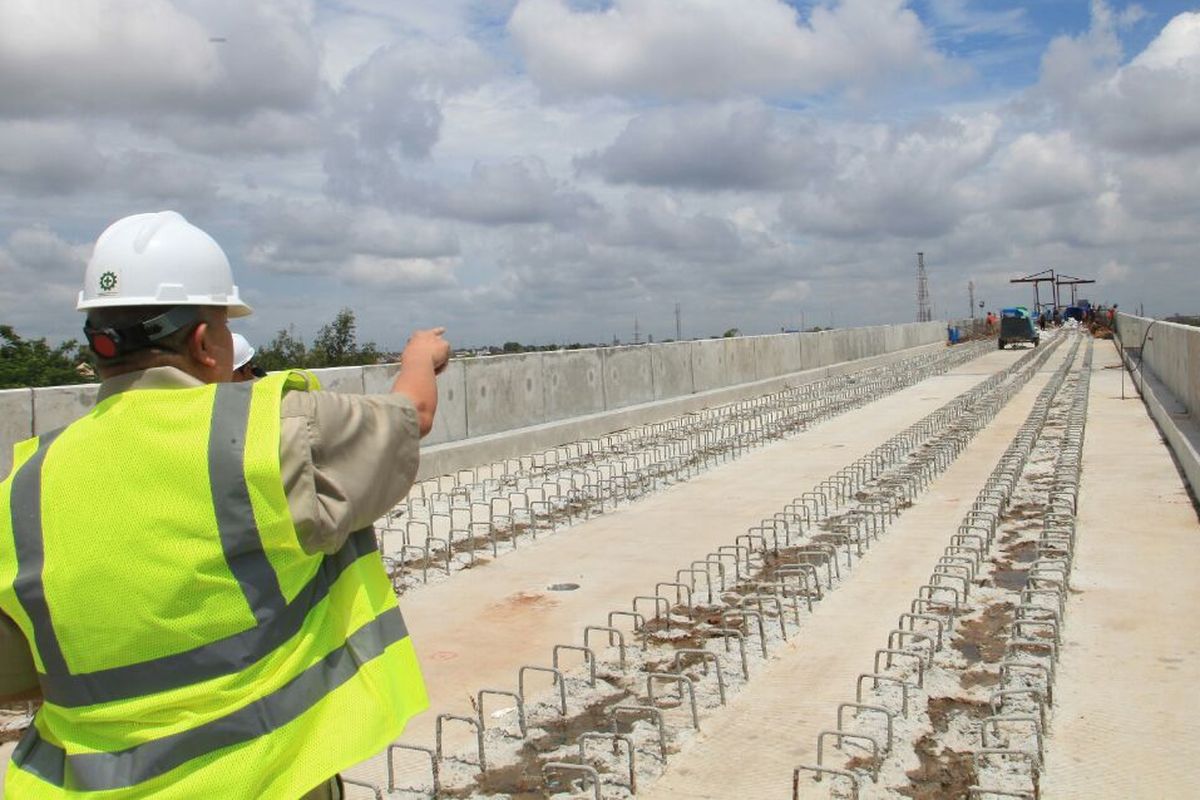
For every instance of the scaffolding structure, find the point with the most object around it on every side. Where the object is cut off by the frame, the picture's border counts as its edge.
(1037, 279)
(1073, 282)
(1055, 280)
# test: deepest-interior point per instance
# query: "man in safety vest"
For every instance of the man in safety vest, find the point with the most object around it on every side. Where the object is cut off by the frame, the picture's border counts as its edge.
(189, 578)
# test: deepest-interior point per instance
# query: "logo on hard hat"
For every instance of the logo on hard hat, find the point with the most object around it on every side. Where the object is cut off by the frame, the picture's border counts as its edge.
(108, 281)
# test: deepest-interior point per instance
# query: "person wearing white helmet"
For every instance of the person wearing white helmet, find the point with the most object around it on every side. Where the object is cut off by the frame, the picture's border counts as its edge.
(243, 366)
(189, 579)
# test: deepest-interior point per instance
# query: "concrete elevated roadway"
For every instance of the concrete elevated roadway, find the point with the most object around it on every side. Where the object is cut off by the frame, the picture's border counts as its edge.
(1121, 722)
(1129, 634)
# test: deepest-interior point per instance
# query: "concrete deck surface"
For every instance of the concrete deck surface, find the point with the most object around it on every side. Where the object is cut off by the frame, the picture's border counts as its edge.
(477, 629)
(1126, 692)
(1128, 689)
(749, 748)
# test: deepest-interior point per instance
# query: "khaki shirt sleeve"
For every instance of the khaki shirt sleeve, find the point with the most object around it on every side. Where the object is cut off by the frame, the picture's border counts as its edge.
(17, 672)
(346, 460)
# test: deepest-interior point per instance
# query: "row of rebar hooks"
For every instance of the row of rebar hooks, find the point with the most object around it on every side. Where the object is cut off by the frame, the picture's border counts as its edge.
(842, 514)
(1017, 729)
(927, 626)
(499, 503)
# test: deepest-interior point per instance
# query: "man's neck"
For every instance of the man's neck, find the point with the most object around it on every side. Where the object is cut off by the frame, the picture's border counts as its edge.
(150, 362)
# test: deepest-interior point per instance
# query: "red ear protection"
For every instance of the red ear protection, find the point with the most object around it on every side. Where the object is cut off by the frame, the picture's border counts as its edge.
(111, 342)
(103, 342)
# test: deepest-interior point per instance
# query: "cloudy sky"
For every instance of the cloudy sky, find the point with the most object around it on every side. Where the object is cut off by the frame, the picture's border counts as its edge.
(550, 170)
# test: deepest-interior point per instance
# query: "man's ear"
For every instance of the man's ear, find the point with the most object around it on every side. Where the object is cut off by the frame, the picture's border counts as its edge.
(200, 347)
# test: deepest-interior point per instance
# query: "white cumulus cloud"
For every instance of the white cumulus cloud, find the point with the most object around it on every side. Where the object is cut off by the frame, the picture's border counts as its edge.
(714, 48)
(1145, 106)
(112, 57)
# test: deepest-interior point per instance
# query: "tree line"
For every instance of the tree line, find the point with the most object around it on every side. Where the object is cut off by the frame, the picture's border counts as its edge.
(335, 345)
(34, 362)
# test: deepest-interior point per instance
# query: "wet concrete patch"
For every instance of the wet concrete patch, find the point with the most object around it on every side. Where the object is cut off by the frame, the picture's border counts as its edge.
(787, 556)
(984, 639)
(1024, 511)
(941, 709)
(523, 780)
(1011, 579)
(944, 774)
(978, 677)
(564, 731)
(1024, 552)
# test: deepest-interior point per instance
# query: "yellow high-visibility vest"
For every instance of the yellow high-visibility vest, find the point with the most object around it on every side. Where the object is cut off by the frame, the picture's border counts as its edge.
(186, 644)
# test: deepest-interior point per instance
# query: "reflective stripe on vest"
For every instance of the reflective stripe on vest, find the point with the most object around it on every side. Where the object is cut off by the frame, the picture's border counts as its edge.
(27, 538)
(278, 621)
(104, 771)
(369, 666)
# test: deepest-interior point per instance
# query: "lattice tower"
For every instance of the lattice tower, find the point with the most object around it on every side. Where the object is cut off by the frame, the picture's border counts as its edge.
(924, 311)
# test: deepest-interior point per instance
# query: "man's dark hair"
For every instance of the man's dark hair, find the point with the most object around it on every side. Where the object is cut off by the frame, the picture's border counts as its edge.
(141, 332)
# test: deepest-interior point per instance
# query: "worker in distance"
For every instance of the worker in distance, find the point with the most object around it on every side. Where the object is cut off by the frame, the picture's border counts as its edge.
(244, 368)
(189, 578)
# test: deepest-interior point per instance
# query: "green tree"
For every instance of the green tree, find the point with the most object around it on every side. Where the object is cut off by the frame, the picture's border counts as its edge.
(337, 344)
(33, 362)
(513, 347)
(285, 351)
(732, 332)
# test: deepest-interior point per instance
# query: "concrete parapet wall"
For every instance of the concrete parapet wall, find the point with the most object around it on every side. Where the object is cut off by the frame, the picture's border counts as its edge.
(56, 406)
(347, 380)
(672, 367)
(740, 361)
(508, 392)
(16, 422)
(576, 386)
(776, 355)
(628, 376)
(481, 397)
(1171, 352)
(448, 457)
(1168, 357)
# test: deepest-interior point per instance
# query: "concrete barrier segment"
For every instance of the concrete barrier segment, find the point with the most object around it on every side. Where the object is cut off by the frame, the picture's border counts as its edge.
(481, 397)
(446, 458)
(628, 376)
(671, 364)
(1178, 427)
(505, 392)
(740, 363)
(56, 406)
(348, 380)
(16, 423)
(1169, 350)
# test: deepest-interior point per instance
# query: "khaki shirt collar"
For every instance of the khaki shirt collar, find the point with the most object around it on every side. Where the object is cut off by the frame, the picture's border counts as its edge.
(152, 378)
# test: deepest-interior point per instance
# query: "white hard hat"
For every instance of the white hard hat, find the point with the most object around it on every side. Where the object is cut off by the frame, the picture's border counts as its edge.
(158, 259)
(242, 351)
